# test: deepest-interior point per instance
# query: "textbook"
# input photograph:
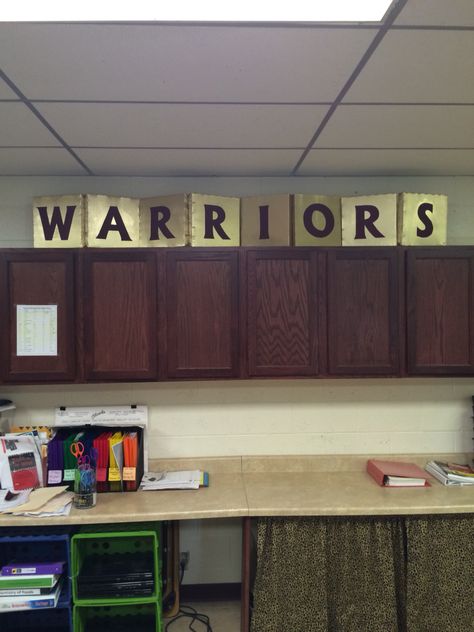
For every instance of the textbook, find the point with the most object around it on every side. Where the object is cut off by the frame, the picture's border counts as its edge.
(24, 592)
(28, 581)
(33, 568)
(32, 602)
(397, 473)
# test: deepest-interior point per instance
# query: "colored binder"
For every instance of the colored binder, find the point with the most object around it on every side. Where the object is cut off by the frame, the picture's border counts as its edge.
(130, 455)
(101, 444)
(397, 473)
(115, 462)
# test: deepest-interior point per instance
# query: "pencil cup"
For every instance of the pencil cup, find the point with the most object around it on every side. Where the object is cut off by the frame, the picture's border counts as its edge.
(85, 488)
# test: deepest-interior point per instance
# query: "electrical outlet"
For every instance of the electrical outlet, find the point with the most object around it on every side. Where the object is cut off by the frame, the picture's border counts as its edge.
(184, 559)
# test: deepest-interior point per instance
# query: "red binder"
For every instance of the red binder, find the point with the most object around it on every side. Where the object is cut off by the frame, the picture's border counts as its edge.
(382, 471)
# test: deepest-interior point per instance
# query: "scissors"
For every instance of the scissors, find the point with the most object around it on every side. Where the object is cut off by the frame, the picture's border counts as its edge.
(77, 449)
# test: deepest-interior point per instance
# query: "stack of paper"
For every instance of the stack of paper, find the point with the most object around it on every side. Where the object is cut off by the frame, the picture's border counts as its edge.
(451, 473)
(10, 499)
(41, 502)
(189, 479)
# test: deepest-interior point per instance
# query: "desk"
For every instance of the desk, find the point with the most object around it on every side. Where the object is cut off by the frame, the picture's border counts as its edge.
(340, 486)
(247, 487)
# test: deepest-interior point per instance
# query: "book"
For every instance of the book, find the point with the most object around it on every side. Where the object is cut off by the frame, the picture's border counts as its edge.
(33, 568)
(451, 473)
(28, 581)
(24, 592)
(397, 473)
(31, 602)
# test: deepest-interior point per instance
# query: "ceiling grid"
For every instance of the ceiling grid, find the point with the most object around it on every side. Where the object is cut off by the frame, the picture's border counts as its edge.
(151, 99)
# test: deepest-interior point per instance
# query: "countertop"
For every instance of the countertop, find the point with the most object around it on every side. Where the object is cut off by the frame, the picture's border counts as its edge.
(271, 486)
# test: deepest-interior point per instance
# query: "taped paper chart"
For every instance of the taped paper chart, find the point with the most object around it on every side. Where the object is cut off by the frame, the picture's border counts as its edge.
(37, 330)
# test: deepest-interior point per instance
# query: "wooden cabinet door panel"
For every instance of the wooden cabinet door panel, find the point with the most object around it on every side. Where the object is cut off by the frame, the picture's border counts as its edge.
(42, 278)
(440, 311)
(120, 315)
(282, 294)
(203, 317)
(363, 311)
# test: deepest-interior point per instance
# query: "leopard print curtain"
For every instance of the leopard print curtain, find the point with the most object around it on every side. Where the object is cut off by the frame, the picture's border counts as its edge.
(364, 574)
(440, 573)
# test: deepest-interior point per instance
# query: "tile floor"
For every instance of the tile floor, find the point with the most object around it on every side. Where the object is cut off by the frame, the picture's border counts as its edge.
(224, 616)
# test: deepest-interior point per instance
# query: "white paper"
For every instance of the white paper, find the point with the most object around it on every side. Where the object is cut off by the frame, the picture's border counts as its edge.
(36, 330)
(19, 498)
(102, 415)
(187, 479)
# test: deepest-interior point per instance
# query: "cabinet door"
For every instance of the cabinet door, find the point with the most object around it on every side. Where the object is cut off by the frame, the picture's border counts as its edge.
(37, 314)
(120, 314)
(202, 313)
(363, 311)
(440, 309)
(282, 299)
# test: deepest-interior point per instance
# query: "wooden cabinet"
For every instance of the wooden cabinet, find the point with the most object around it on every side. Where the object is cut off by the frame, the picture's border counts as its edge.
(202, 297)
(363, 311)
(283, 299)
(440, 311)
(120, 314)
(145, 314)
(44, 279)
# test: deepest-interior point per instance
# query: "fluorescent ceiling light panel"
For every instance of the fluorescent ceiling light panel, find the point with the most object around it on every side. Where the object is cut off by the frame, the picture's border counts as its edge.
(196, 11)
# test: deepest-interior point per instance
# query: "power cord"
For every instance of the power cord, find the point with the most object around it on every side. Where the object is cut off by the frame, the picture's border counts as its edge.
(189, 612)
(194, 615)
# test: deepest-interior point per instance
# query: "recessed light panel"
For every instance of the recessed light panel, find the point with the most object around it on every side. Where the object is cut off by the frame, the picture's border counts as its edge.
(203, 11)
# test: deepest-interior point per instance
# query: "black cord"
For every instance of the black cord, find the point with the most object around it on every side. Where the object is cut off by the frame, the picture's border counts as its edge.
(194, 615)
(189, 612)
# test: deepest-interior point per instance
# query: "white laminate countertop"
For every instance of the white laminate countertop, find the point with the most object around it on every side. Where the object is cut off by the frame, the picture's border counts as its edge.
(271, 486)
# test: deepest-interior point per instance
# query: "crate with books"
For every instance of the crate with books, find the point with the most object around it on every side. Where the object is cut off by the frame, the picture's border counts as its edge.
(450, 473)
(115, 567)
(34, 572)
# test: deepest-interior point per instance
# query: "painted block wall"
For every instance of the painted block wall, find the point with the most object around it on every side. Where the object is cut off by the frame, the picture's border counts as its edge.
(358, 416)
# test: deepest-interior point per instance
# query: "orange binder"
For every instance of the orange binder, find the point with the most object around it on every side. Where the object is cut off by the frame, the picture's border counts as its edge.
(130, 455)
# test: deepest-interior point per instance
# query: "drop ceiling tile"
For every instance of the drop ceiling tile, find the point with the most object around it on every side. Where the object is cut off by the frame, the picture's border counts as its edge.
(180, 63)
(388, 162)
(19, 126)
(6, 92)
(418, 66)
(189, 162)
(145, 125)
(378, 126)
(438, 13)
(35, 161)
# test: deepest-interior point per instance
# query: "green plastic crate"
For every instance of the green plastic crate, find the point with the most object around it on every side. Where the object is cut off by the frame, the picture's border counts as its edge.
(143, 617)
(111, 543)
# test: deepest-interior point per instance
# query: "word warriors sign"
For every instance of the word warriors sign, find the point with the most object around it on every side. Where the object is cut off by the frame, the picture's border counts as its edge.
(101, 221)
